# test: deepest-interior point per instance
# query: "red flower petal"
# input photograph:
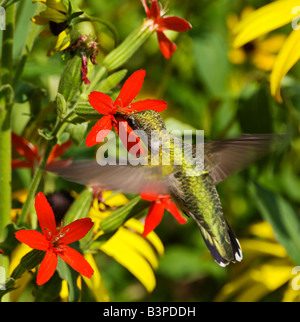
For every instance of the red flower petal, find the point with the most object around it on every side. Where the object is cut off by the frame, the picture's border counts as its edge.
(75, 230)
(24, 148)
(131, 88)
(33, 239)
(76, 261)
(129, 138)
(166, 46)
(173, 23)
(155, 105)
(47, 267)
(17, 164)
(149, 196)
(99, 131)
(45, 216)
(172, 208)
(154, 10)
(101, 102)
(154, 217)
(59, 150)
(144, 3)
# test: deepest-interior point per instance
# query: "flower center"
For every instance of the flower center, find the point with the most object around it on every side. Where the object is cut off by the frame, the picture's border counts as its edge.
(57, 28)
(54, 240)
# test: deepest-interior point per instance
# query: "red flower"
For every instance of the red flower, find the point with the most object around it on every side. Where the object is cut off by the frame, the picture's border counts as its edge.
(156, 211)
(31, 154)
(103, 104)
(55, 242)
(1, 252)
(160, 23)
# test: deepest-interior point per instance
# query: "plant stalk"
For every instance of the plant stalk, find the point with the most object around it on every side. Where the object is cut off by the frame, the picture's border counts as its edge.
(6, 103)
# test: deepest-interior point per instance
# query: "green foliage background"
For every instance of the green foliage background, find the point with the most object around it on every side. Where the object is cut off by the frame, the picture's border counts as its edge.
(198, 84)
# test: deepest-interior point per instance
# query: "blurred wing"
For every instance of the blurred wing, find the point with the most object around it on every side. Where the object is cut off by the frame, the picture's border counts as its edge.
(223, 158)
(126, 178)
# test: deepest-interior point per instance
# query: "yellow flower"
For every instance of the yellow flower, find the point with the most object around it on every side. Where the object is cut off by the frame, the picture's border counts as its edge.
(139, 255)
(261, 22)
(261, 52)
(267, 267)
(21, 283)
(55, 16)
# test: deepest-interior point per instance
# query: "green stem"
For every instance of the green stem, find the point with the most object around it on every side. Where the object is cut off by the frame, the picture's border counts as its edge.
(128, 47)
(5, 126)
(38, 175)
(35, 184)
(5, 121)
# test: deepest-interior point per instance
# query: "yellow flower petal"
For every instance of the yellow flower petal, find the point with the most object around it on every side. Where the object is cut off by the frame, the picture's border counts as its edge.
(53, 15)
(291, 295)
(138, 243)
(64, 291)
(22, 282)
(112, 199)
(257, 282)
(263, 60)
(95, 284)
(254, 246)
(262, 229)
(272, 44)
(264, 20)
(131, 259)
(57, 5)
(63, 41)
(152, 237)
(237, 56)
(286, 59)
(20, 195)
(39, 20)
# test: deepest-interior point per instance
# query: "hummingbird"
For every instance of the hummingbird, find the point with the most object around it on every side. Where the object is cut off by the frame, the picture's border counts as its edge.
(191, 184)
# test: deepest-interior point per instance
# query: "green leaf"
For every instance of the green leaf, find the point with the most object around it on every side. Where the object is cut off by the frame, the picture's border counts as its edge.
(254, 112)
(101, 240)
(61, 105)
(70, 275)
(70, 82)
(121, 215)
(46, 134)
(284, 219)
(111, 81)
(86, 111)
(77, 132)
(28, 261)
(8, 3)
(80, 207)
(212, 63)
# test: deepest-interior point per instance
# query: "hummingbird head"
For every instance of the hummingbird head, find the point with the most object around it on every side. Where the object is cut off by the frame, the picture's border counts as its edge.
(147, 121)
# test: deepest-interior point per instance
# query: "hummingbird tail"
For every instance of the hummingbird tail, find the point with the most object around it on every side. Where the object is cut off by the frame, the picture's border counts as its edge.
(223, 254)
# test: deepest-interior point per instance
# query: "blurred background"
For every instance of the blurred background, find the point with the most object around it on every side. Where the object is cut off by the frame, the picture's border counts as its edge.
(212, 87)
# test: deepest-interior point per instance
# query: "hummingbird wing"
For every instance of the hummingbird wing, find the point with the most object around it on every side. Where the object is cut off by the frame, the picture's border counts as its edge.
(126, 178)
(223, 158)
